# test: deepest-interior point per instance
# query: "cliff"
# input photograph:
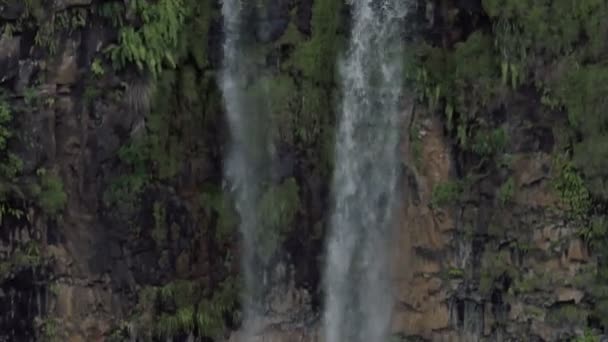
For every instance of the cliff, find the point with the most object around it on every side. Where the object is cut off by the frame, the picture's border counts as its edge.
(115, 221)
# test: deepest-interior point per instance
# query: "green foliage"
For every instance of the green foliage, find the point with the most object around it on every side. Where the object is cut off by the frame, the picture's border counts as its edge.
(151, 46)
(535, 281)
(455, 273)
(177, 125)
(49, 194)
(495, 264)
(316, 57)
(125, 191)
(567, 314)
(184, 306)
(276, 211)
(596, 231)
(506, 191)
(571, 188)
(582, 90)
(48, 328)
(488, 144)
(97, 68)
(554, 27)
(25, 256)
(214, 201)
(10, 164)
(587, 337)
(449, 81)
(446, 194)
(113, 11)
(5, 118)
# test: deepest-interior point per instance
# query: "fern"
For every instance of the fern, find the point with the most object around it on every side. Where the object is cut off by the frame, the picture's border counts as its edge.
(151, 45)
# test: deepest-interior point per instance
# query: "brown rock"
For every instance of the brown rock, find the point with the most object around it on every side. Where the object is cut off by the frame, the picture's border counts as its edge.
(67, 70)
(567, 294)
(577, 251)
(421, 323)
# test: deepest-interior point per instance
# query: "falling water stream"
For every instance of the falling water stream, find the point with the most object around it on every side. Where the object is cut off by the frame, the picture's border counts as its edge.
(358, 292)
(240, 166)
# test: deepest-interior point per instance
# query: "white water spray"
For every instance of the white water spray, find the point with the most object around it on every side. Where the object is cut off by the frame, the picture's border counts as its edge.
(358, 291)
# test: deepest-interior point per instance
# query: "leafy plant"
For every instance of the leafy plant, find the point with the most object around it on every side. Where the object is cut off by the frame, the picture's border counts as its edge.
(97, 68)
(506, 191)
(446, 193)
(50, 194)
(152, 45)
(571, 188)
(587, 336)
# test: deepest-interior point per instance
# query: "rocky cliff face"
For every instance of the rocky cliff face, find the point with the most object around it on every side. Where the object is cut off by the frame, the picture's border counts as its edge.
(115, 223)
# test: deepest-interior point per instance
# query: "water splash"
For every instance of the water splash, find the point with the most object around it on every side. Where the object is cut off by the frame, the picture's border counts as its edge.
(358, 292)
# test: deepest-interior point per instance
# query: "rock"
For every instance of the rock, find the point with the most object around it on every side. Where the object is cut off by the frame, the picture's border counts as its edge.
(577, 251)
(567, 294)
(66, 73)
(9, 56)
(421, 323)
(11, 9)
(61, 5)
(530, 168)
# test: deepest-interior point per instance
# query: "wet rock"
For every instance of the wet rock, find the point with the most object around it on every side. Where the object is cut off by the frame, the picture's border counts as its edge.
(12, 9)
(9, 56)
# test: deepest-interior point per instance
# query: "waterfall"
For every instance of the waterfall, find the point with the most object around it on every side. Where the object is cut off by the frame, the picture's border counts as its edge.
(241, 164)
(358, 292)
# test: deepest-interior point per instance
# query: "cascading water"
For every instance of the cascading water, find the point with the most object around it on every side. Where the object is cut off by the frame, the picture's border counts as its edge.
(358, 292)
(241, 169)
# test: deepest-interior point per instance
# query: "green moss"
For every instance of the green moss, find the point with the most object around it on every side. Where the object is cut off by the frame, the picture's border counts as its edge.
(195, 35)
(159, 233)
(567, 314)
(49, 329)
(587, 336)
(215, 202)
(534, 282)
(455, 273)
(489, 143)
(125, 191)
(276, 211)
(495, 264)
(50, 194)
(316, 57)
(506, 191)
(446, 194)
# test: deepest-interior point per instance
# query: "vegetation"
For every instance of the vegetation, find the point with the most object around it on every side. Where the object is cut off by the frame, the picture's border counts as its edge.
(184, 306)
(49, 193)
(151, 45)
(567, 314)
(587, 337)
(276, 211)
(446, 194)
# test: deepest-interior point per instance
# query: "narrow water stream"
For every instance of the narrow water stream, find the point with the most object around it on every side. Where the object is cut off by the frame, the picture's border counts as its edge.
(358, 293)
(239, 165)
